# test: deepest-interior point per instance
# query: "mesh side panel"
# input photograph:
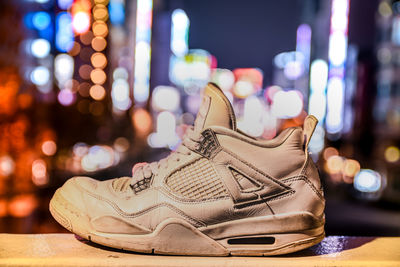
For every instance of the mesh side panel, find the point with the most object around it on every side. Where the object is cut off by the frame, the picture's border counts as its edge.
(198, 181)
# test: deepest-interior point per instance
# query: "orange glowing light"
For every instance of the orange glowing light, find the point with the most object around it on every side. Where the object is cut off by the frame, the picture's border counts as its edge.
(99, 60)
(75, 50)
(87, 37)
(335, 164)
(97, 92)
(121, 144)
(100, 28)
(39, 172)
(49, 147)
(142, 121)
(253, 75)
(101, 2)
(329, 152)
(83, 89)
(84, 71)
(99, 43)
(351, 167)
(392, 154)
(22, 205)
(100, 12)
(98, 76)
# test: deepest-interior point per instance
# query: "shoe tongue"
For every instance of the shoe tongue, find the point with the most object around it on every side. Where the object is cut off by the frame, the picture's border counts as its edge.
(215, 110)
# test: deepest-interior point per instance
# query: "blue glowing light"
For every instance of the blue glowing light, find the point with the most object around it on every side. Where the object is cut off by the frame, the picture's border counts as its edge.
(368, 181)
(64, 4)
(64, 33)
(41, 20)
(116, 12)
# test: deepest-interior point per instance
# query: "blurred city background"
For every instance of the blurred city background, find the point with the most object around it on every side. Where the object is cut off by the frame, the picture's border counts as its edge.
(90, 87)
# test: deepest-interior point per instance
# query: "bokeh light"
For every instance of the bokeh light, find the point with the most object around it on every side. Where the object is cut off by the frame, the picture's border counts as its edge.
(392, 154)
(39, 172)
(99, 60)
(97, 92)
(22, 205)
(49, 147)
(99, 43)
(81, 22)
(7, 166)
(98, 76)
(165, 98)
(40, 48)
(367, 181)
(40, 75)
(66, 97)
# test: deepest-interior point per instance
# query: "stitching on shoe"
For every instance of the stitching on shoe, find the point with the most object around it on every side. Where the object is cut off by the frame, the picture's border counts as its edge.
(186, 200)
(136, 214)
(308, 182)
(281, 196)
(256, 170)
(224, 131)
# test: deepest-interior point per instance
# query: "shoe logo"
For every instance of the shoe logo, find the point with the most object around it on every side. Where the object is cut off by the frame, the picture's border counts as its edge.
(209, 145)
(247, 184)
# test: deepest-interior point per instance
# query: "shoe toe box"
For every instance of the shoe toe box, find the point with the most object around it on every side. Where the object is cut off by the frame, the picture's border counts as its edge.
(74, 188)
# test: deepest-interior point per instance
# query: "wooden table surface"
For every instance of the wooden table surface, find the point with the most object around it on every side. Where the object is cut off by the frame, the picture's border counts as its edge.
(68, 250)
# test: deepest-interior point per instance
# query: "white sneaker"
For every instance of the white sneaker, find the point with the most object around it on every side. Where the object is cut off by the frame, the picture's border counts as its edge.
(220, 193)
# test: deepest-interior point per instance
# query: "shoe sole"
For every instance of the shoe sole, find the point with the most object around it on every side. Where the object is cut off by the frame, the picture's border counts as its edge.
(177, 237)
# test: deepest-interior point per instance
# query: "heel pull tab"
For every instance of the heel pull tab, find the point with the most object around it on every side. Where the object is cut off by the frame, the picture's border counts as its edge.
(308, 129)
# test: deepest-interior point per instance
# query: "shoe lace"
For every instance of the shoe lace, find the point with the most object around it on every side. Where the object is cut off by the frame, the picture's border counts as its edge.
(143, 172)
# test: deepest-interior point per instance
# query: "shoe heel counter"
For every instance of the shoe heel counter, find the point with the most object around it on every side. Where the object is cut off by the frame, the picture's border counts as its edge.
(310, 170)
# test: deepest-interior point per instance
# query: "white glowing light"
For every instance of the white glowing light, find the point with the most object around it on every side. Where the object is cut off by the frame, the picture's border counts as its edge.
(80, 149)
(318, 82)
(287, 104)
(318, 75)
(293, 69)
(317, 141)
(40, 75)
(63, 68)
(120, 73)
(7, 165)
(303, 42)
(284, 58)
(367, 181)
(166, 131)
(243, 89)
(224, 78)
(396, 30)
(120, 94)
(81, 22)
(40, 48)
(252, 122)
(141, 85)
(334, 114)
(98, 157)
(337, 59)
(165, 98)
(337, 48)
(179, 32)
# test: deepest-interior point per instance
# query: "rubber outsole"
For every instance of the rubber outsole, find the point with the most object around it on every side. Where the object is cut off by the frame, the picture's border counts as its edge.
(178, 237)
